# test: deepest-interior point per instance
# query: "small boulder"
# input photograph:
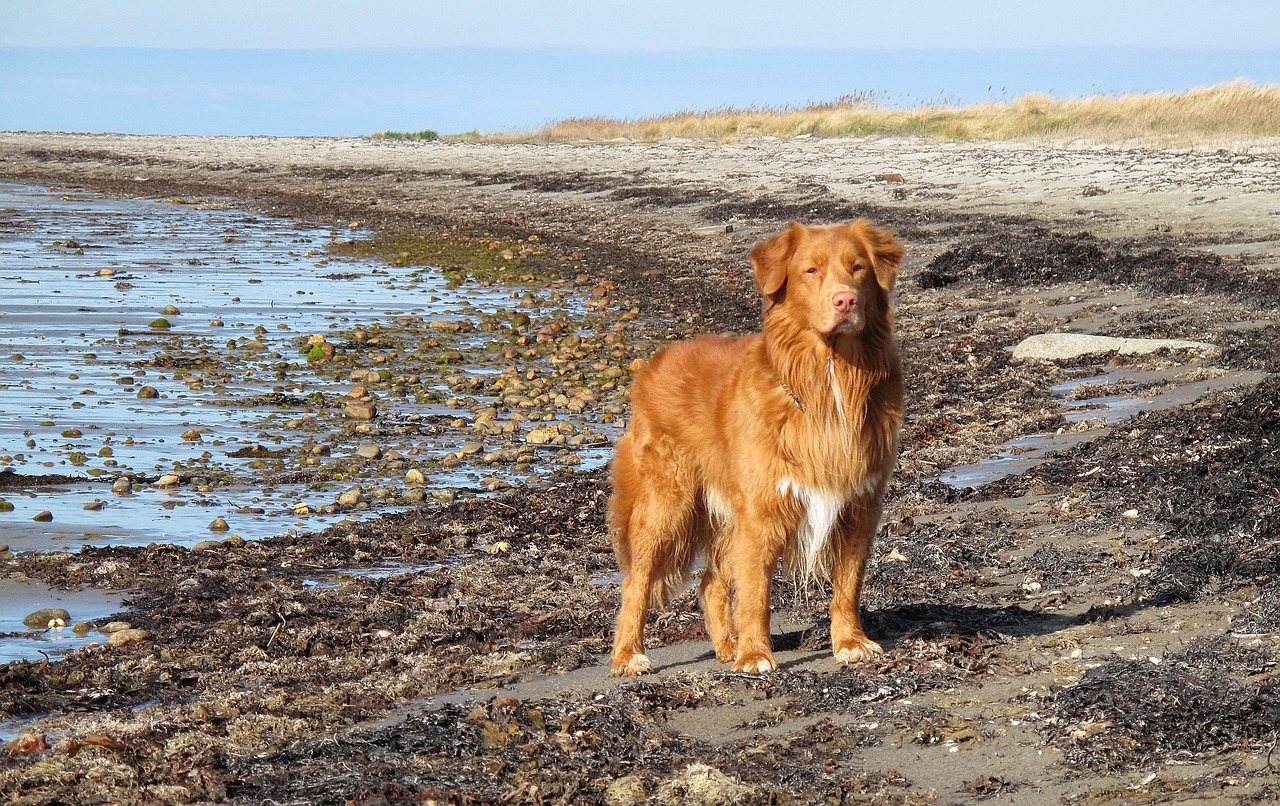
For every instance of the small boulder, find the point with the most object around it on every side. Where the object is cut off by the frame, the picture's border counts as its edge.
(46, 617)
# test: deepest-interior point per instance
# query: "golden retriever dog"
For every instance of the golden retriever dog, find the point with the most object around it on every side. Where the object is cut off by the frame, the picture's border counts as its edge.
(773, 446)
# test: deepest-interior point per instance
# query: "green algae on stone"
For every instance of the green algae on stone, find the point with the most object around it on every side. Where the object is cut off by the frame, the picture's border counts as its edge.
(459, 258)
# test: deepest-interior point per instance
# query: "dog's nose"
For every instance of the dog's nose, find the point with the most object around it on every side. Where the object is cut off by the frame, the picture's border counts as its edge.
(844, 301)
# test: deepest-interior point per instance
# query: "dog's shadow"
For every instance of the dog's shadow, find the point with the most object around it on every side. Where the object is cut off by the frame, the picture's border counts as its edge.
(894, 627)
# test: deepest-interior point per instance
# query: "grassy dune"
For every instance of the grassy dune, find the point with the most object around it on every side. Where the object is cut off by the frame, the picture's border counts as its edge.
(1226, 112)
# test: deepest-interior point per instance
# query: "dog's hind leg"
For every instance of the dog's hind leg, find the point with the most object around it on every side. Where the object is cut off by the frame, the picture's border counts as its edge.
(717, 611)
(651, 515)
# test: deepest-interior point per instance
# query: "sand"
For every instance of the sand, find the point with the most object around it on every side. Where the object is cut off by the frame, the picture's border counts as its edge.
(1090, 617)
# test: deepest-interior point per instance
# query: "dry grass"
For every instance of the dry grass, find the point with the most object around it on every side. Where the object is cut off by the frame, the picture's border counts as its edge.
(1226, 112)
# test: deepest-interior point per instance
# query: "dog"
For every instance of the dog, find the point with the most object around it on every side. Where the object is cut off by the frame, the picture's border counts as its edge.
(773, 446)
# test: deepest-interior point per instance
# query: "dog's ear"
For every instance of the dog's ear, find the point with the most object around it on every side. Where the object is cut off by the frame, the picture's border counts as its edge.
(885, 251)
(770, 260)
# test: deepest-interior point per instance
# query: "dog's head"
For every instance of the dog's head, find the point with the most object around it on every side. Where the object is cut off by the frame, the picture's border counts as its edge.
(831, 280)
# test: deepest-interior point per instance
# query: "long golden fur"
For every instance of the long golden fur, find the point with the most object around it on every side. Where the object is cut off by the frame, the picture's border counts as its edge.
(767, 447)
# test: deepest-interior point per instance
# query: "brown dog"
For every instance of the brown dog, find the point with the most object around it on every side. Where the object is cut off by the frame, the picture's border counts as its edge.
(776, 445)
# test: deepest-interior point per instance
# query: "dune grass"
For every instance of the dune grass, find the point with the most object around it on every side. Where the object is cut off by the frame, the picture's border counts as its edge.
(1226, 112)
(425, 134)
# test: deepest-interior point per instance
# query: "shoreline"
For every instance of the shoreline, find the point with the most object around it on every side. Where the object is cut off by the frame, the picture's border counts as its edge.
(1044, 633)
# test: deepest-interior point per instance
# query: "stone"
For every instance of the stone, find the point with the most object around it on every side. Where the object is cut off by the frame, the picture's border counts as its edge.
(168, 480)
(218, 524)
(352, 497)
(148, 393)
(443, 496)
(114, 626)
(192, 435)
(542, 436)
(46, 617)
(130, 636)
(43, 516)
(122, 486)
(94, 505)
(1068, 346)
(169, 310)
(368, 450)
(360, 411)
(415, 477)
(414, 495)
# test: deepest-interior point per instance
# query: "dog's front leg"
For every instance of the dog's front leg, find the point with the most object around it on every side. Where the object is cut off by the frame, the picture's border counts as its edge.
(754, 555)
(849, 643)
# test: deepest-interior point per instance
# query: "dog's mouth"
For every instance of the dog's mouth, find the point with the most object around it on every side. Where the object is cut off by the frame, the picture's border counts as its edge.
(845, 323)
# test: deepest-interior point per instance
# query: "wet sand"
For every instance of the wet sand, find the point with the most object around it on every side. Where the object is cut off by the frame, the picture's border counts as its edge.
(1097, 626)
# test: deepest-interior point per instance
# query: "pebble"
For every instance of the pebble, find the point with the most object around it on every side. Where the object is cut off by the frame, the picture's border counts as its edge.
(45, 617)
(43, 516)
(352, 497)
(368, 450)
(148, 393)
(218, 524)
(543, 436)
(130, 636)
(192, 435)
(360, 411)
(122, 486)
(114, 626)
(168, 480)
(443, 496)
(415, 477)
(169, 310)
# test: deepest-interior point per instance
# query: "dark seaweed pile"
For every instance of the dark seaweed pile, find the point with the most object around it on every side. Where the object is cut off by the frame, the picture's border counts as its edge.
(1039, 256)
(590, 749)
(1216, 696)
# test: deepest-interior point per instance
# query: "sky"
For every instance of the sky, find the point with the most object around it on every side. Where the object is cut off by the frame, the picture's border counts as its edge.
(323, 67)
(650, 24)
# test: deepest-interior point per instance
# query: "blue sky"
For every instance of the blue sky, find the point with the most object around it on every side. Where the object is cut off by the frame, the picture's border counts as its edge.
(323, 67)
(650, 24)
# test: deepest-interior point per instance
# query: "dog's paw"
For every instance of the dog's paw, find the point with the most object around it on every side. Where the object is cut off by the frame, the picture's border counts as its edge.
(864, 650)
(755, 664)
(727, 651)
(632, 666)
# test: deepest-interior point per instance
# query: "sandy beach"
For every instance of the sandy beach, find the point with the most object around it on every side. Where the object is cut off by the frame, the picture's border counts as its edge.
(1077, 582)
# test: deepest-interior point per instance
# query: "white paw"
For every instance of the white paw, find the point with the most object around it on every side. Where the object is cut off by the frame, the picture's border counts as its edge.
(857, 654)
(756, 666)
(637, 664)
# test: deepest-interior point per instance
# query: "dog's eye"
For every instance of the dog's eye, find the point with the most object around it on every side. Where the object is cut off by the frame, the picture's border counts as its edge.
(811, 270)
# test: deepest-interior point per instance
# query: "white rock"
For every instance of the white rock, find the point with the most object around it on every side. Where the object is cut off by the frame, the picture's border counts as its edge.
(1066, 346)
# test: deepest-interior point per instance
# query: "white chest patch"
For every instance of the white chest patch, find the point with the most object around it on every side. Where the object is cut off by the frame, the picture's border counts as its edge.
(819, 513)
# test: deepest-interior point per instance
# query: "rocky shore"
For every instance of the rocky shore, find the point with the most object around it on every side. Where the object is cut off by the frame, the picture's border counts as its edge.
(1076, 582)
